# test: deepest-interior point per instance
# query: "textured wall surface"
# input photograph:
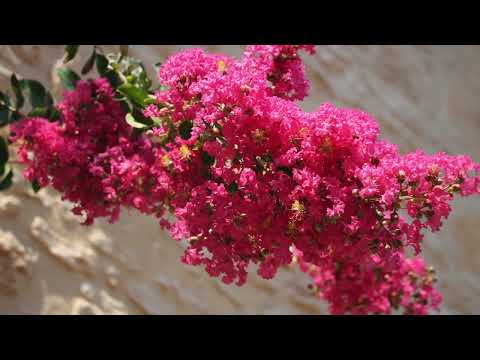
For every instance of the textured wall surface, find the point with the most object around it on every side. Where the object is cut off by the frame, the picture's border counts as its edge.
(423, 96)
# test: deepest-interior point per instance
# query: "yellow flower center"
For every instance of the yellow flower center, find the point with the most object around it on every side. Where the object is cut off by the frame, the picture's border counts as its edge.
(185, 152)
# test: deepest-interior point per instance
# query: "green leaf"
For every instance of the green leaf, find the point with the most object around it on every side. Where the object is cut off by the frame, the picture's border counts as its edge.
(40, 112)
(125, 106)
(90, 62)
(36, 93)
(54, 114)
(4, 115)
(35, 186)
(151, 99)
(102, 64)
(4, 99)
(6, 178)
(16, 86)
(185, 129)
(104, 71)
(3, 151)
(68, 78)
(4, 109)
(113, 79)
(70, 52)
(133, 93)
(134, 123)
(6, 175)
(4, 169)
(48, 100)
(286, 170)
(208, 160)
(232, 188)
(15, 116)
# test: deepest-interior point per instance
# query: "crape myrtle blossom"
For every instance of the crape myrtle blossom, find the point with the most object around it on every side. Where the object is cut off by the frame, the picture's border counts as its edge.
(253, 179)
(91, 155)
(374, 285)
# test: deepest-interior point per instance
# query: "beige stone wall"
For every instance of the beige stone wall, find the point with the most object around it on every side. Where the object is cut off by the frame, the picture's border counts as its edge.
(423, 96)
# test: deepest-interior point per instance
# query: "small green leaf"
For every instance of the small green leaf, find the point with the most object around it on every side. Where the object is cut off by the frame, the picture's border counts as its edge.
(3, 171)
(48, 100)
(185, 129)
(113, 79)
(3, 151)
(4, 109)
(54, 114)
(16, 86)
(70, 52)
(39, 112)
(90, 62)
(104, 71)
(208, 160)
(232, 188)
(134, 123)
(102, 64)
(15, 116)
(4, 115)
(6, 178)
(151, 99)
(36, 93)
(133, 93)
(68, 78)
(286, 170)
(35, 186)
(115, 66)
(4, 99)
(125, 106)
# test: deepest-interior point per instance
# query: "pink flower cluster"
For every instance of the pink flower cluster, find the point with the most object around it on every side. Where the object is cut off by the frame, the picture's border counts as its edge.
(91, 156)
(374, 285)
(253, 179)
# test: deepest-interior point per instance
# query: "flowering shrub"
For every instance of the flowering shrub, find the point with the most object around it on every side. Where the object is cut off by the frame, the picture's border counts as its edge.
(249, 177)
